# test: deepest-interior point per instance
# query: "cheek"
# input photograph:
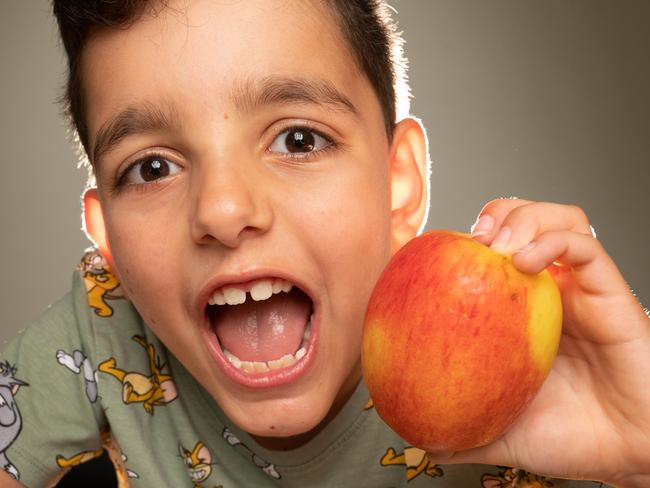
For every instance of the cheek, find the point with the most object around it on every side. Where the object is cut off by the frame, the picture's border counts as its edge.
(359, 222)
(143, 251)
(352, 237)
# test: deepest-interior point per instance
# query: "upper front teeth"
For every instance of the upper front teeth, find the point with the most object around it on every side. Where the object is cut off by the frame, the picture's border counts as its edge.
(261, 290)
(234, 296)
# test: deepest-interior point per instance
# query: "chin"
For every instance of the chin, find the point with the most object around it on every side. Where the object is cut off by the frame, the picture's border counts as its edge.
(282, 418)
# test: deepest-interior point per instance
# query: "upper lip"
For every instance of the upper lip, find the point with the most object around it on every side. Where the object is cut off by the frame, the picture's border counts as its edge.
(252, 274)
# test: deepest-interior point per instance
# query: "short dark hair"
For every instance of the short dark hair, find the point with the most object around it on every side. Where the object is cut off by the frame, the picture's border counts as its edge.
(366, 25)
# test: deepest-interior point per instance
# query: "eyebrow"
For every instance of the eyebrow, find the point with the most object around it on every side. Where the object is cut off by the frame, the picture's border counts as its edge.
(246, 96)
(145, 118)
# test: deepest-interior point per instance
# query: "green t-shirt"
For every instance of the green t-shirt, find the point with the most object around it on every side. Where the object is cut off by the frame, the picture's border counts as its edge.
(90, 374)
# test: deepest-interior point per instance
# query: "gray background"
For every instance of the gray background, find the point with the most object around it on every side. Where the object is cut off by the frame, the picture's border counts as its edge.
(542, 99)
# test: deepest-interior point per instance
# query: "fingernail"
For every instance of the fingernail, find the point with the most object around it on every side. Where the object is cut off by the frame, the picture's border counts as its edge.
(482, 226)
(527, 248)
(500, 242)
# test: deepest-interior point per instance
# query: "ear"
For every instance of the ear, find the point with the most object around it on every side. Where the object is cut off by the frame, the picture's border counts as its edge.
(409, 177)
(94, 224)
(168, 388)
(204, 455)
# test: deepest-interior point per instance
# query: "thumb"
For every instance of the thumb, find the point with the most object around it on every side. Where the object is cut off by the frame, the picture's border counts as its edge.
(494, 454)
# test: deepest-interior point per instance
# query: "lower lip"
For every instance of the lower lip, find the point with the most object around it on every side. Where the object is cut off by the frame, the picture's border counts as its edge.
(269, 379)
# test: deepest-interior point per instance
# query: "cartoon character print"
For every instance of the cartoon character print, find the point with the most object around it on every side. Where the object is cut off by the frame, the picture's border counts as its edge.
(514, 478)
(78, 362)
(265, 466)
(121, 472)
(77, 459)
(100, 283)
(152, 390)
(415, 460)
(119, 460)
(198, 463)
(10, 420)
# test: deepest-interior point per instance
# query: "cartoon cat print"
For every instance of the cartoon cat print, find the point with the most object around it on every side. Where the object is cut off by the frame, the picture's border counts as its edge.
(265, 466)
(77, 362)
(10, 420)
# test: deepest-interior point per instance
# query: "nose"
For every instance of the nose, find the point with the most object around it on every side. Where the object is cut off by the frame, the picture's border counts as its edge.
(230, 206)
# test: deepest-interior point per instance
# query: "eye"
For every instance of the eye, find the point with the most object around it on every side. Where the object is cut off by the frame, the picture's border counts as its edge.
(149, 169)
(299, 140)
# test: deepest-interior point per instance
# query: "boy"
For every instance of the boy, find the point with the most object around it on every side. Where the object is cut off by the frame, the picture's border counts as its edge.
(251, 185)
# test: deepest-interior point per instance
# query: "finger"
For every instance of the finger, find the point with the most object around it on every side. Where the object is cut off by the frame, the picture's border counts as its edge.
(524, 223)
(583, 263)
(491, 216)
(592, 268)
(495, 454)
(440, 457)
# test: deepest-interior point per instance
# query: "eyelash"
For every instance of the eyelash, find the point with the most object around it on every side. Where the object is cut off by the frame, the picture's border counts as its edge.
(332, 144)
(120, 183)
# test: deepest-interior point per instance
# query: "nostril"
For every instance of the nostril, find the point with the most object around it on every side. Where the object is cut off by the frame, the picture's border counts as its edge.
(249, 231)
(207, 239)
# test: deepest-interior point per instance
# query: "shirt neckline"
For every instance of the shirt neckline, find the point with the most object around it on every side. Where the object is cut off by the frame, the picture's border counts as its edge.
(327, 439)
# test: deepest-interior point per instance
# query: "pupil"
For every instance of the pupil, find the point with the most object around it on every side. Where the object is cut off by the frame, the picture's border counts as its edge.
(299, 141)
(154, 169)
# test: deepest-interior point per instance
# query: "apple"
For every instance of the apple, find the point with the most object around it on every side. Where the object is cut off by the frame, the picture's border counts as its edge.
(457, 341)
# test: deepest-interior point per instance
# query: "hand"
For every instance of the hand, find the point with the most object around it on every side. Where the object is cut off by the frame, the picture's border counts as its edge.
(591, 419)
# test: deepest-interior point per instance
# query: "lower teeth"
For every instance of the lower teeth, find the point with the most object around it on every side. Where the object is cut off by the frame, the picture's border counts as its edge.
(265, 366)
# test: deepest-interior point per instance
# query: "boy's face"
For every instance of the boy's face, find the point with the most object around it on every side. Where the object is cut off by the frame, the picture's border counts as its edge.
(262, 155)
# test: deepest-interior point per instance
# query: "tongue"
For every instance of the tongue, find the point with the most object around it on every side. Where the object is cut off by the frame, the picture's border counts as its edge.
(266, 330)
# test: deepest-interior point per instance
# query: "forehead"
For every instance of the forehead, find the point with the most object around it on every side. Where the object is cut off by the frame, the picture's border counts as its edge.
(200, 51)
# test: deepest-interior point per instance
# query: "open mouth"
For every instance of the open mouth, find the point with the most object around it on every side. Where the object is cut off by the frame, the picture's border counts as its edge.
(262, 331)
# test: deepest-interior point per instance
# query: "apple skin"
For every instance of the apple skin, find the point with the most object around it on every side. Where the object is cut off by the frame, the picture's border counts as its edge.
(457, 341)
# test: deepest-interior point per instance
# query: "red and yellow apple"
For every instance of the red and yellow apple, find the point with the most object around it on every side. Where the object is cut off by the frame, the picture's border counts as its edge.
(457, 341)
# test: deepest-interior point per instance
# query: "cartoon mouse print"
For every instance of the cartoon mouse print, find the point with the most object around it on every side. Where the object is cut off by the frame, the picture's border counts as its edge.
(77, 459)
(121, 472)
(198, 463)
(77, 362)
(100, 283)
(10, 420)
(416, 462)
(514, 478)
(152, 390)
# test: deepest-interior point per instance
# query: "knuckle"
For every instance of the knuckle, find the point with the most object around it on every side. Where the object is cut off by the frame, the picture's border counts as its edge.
(579, 214)
(527, 213)
(598, 246)
(502, 205)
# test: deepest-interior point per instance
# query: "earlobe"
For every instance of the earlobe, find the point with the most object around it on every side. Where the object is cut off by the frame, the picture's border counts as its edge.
(409, 176)
(94, 223)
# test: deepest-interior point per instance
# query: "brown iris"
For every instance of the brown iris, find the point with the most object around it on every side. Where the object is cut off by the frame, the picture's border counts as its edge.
(300, 141)
(154, 169)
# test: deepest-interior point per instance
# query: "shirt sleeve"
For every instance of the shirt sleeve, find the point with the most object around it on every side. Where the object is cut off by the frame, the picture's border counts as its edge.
(50, 417)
